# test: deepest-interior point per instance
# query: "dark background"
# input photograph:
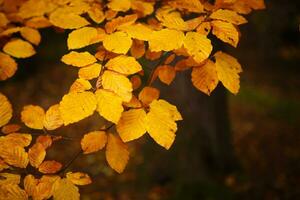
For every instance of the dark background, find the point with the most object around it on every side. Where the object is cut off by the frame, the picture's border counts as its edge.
(228, 147)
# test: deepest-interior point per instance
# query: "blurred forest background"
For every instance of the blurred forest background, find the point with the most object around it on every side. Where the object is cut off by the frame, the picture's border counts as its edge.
(228, 147)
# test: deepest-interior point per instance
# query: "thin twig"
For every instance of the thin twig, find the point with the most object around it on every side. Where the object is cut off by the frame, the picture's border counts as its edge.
(70, 162)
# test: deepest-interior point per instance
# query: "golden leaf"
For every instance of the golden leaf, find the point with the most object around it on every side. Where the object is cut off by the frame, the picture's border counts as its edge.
(137, 31)
(80, 85)
(31, 35)
(90, 72)
(171, 19)
(228, 69)
(17, 139)
(119, 5)
(19, 48)
(45, 187)
(79, 178)
(117, 42)
(161, 124)
(117, 83)
(117, 154)
(82, 37)
(30, 184)
(50, 167)
(166, 40)
(3, 20)
(198, 46)
(189, 5)
(5, 110)
(33, 116)
(8, 66)
(143, 8)
(77, 106)
(205, 77)
(36, 154)
(148, 94)
(96, 14)
(93, 142)
(78, 59)
(124, 65)
(166, 74)
(38, 22)
(109, 105)
(7, 178)
(226, 32)
(33, 8)
(121, 21)
(228, 16)
(64, 189)
(132, 124)
(67, 20)
(52, 119)
(14, 155)
(12, 192)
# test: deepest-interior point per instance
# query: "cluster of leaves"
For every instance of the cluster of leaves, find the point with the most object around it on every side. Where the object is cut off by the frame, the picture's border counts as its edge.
(171, 35)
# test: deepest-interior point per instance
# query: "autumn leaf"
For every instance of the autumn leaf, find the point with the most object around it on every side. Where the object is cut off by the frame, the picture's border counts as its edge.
(36, 155)
(77, 106)
(124, 65)
(50, 167)
(5, 110)
(77, 59)
(166, 40)
(31, 35)
(79, 178)
(8, 66)
(90, 72)
(226, 32)
(19, 48)
(228, 69)
(82, 37)
(52, 119)
(132, 124)
(148, 94)
(205, 77)
(166, 74)
(65, 189)
(117, 154)
(67, 20)
(228, 16)
(117, 42)
(33, 116)
(93, 141)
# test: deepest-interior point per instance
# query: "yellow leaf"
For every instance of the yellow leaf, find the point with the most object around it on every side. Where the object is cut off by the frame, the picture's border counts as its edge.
(228, 69)
(67, 20)
(137, 31)
(79, 178)
(161, 124)
(33, 8)
(30, 184)
(117, 42)
(148, 94)
(64, 189)
(117, 154)
(38, 22)
(119, 22)
(109, 105)
(96, 14)
(80, 85)
(31, 35)
(8, 66)
(45, 187)
(82, 37)
(78, 59)
(36, 154)
(77, 106)
(166, 74)
(228, 16)
(17, 139)
(5, 110)
(52, 119)
(205, 77)
(132, 124)
(93, 141)
(119, 5)
(19, 48)
(204, 28)
(14, 155)
(117, 83)
(198, 46)
(3, 165)
(145, 8)
(189, 5)
(90, 72)
(12, 192)
(33, 116)
(124, 65)
(7, 178)
(50, 167)
(226, 32)
(171, 19)
(166, 40)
